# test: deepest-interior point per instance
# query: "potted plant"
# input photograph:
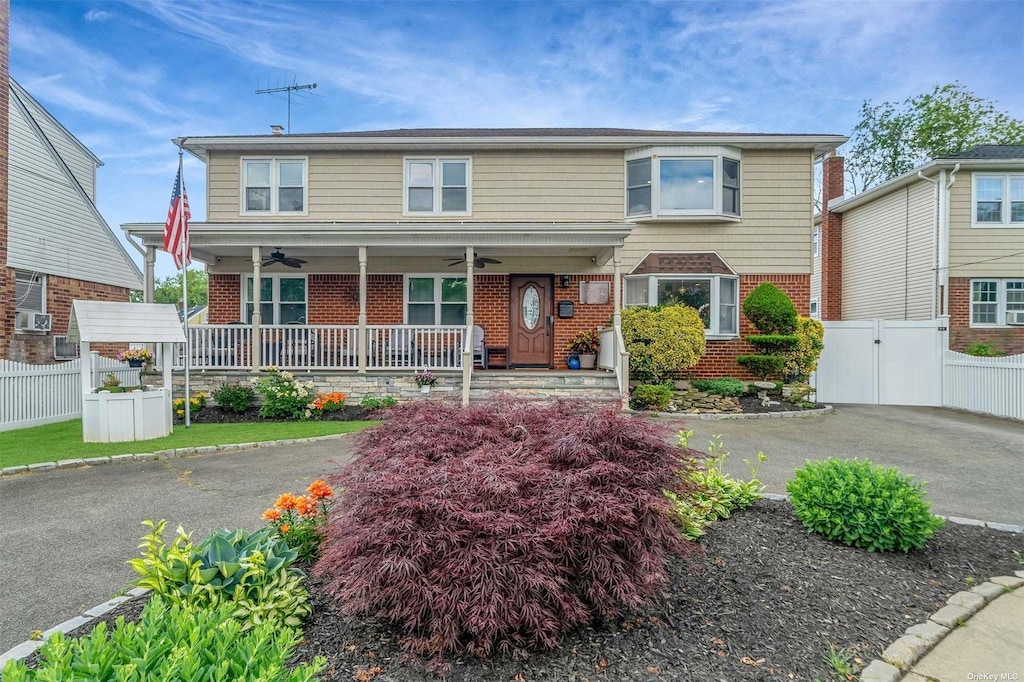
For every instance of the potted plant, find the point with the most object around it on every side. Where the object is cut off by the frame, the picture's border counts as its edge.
(136, 357)
(585, 346)
(424, 379)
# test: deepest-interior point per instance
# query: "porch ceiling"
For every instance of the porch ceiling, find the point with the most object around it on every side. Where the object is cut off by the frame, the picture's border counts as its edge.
(213, 241)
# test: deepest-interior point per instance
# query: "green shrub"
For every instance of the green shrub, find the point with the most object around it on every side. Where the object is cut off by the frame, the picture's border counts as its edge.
(862, 505)
(249, 570)
(651, 397)
(983, 350)
(172, 642)
(763, 366)
(662, 341)
(802, 359)
(718, 495)
(234, 397)
(370, 403)
(283, 396)
(726, 386)
(773, 344)
(770, 310)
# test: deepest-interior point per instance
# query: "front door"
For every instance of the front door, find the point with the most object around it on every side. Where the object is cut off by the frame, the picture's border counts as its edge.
(530, 327)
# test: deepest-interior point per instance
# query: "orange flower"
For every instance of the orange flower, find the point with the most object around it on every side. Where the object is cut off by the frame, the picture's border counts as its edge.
(272, 515)
(319, 490)
(285, 528)
(305, 506)
(285, 502)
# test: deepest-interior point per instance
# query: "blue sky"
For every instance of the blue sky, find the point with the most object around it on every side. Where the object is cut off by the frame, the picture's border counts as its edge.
(125, 78)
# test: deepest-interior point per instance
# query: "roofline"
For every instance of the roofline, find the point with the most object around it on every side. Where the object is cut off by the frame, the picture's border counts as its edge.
(20, 91)
(198, 146)
(843, 204)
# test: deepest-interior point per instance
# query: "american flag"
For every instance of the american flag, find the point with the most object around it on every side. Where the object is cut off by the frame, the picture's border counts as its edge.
(176, 229)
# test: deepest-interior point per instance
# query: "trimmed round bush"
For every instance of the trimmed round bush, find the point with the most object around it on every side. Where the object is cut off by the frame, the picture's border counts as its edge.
(802, 360)
(498, 527)
(862, 505)
(651, 396)
(662, 340)
(770, 310)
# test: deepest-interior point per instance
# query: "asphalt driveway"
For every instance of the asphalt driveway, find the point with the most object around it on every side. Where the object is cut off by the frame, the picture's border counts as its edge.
(66, 534)
(973, 465)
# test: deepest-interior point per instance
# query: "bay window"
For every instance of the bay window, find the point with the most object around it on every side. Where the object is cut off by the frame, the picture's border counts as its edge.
(435, 300)
(282, 299)
(678, 182)
(714, 297)
(998, 200)
(273, 186)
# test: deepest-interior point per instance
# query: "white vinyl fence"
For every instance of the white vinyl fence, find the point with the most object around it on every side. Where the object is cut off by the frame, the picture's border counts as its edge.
(40, 394)
(989, 385)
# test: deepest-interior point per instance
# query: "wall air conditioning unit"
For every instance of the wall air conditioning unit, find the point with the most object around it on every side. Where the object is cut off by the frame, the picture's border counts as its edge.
(1015, 317)
(62, 350)
(32, 321)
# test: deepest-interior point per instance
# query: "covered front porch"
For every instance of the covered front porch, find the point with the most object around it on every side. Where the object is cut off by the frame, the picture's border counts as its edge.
(397, 298)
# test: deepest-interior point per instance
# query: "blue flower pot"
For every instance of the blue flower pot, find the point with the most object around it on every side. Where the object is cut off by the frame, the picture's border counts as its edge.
(573, 361)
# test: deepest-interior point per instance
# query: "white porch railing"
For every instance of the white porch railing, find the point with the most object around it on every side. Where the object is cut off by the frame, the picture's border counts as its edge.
(989, 385)
(612, 355)
(325, 347)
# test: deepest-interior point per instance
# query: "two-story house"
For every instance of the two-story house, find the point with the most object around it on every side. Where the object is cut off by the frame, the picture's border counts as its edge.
(382, 250)
(944, 239)
(55, 246)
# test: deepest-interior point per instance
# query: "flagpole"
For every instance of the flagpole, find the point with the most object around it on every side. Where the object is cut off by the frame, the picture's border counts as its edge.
(183, 247)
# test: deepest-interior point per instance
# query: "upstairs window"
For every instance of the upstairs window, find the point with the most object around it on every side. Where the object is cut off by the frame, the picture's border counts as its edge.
(998, 200)
(437, 186)
(676, 184)
(274, 186)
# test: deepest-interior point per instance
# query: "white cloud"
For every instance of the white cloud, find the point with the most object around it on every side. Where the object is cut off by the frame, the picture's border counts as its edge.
(95, 15)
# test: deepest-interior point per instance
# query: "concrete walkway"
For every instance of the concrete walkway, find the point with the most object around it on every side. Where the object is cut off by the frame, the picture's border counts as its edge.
(989, 647)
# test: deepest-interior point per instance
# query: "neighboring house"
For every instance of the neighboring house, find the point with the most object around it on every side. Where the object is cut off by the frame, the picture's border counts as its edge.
(196, 315)
(58, 247)
(947, 238)
(383, 222)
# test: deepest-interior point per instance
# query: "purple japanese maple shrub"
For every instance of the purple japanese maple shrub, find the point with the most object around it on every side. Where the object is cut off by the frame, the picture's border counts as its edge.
(502, 526)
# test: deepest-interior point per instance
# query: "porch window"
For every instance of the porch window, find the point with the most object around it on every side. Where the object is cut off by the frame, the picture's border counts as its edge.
(274, 186)
(714, 297)
(998, 200)
(282, 299)
(669, 183)
(437, 186)
(435, 299)
(992, 299)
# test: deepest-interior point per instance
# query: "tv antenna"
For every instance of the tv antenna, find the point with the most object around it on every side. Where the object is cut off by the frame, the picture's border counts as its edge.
(289, 89)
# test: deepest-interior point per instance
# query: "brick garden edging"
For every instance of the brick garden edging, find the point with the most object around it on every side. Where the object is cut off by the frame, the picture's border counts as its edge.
(161, 454)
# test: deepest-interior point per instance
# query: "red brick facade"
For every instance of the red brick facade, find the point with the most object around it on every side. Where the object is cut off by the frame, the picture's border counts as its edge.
(831, 303)
(6, 275)
(60, 293)
(1008, 340)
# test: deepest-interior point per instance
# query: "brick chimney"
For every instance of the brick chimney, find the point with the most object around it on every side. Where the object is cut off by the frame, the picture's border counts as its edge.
(6, 275)
(831, 303)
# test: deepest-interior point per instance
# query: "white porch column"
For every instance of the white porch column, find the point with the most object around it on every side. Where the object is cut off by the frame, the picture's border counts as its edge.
(148, 294)
(467, 347)
(256, 315)
(617, 286)
(361, 341)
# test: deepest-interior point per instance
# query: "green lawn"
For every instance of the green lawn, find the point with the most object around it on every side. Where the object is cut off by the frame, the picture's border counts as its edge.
(53, 442)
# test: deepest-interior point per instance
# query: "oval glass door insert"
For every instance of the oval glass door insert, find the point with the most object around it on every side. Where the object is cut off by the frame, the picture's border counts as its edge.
(531, 307)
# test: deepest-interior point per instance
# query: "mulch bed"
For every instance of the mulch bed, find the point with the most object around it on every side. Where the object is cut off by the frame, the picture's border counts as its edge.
(217, 415)
(763, 600)
(751, 404)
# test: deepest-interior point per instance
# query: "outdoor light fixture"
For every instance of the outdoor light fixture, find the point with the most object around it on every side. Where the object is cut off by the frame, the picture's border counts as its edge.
(565, 281)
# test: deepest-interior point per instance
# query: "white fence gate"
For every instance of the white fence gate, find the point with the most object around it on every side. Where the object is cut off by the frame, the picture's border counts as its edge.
(882, 362)
(31, 395)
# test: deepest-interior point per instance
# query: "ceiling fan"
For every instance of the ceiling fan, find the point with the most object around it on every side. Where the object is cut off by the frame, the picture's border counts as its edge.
(478, 262)
(278, 257)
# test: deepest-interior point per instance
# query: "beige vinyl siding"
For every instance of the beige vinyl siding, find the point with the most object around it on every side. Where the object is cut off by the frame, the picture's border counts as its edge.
(774, 233)
(968, 245)
(887, 256)
(53, 227)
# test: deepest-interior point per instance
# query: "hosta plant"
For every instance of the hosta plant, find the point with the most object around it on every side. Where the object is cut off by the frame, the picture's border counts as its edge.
(863, 505)
(172, 642)
(233, 567)
(500, 526)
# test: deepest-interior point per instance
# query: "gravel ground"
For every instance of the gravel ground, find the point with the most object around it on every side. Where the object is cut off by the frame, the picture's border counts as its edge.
(764, 600)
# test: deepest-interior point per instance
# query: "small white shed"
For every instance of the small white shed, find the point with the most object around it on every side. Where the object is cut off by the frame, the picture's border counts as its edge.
(143, 413)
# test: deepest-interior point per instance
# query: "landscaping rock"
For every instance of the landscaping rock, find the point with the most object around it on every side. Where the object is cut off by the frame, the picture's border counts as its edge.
(69, 463)
(96, 460)
(968, 600)
(122, 458)
(7, 471)
(1008, 581)
(906, 651)
(988, 590)
(880, 671)
(930, 632)
(42, 466)
(951, 616)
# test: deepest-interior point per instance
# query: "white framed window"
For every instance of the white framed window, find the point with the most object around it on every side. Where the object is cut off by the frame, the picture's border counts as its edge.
(815, 315)
(435, 299)
(437, 186)
(283, 299)
(991, 299)
(997, 200)
(678, 182)
(274, 186)
(817, 241)
(715, 297)
(29, 292)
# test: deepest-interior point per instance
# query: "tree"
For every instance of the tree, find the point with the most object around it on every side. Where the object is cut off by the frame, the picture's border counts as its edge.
(893, 138)
(168, 289)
